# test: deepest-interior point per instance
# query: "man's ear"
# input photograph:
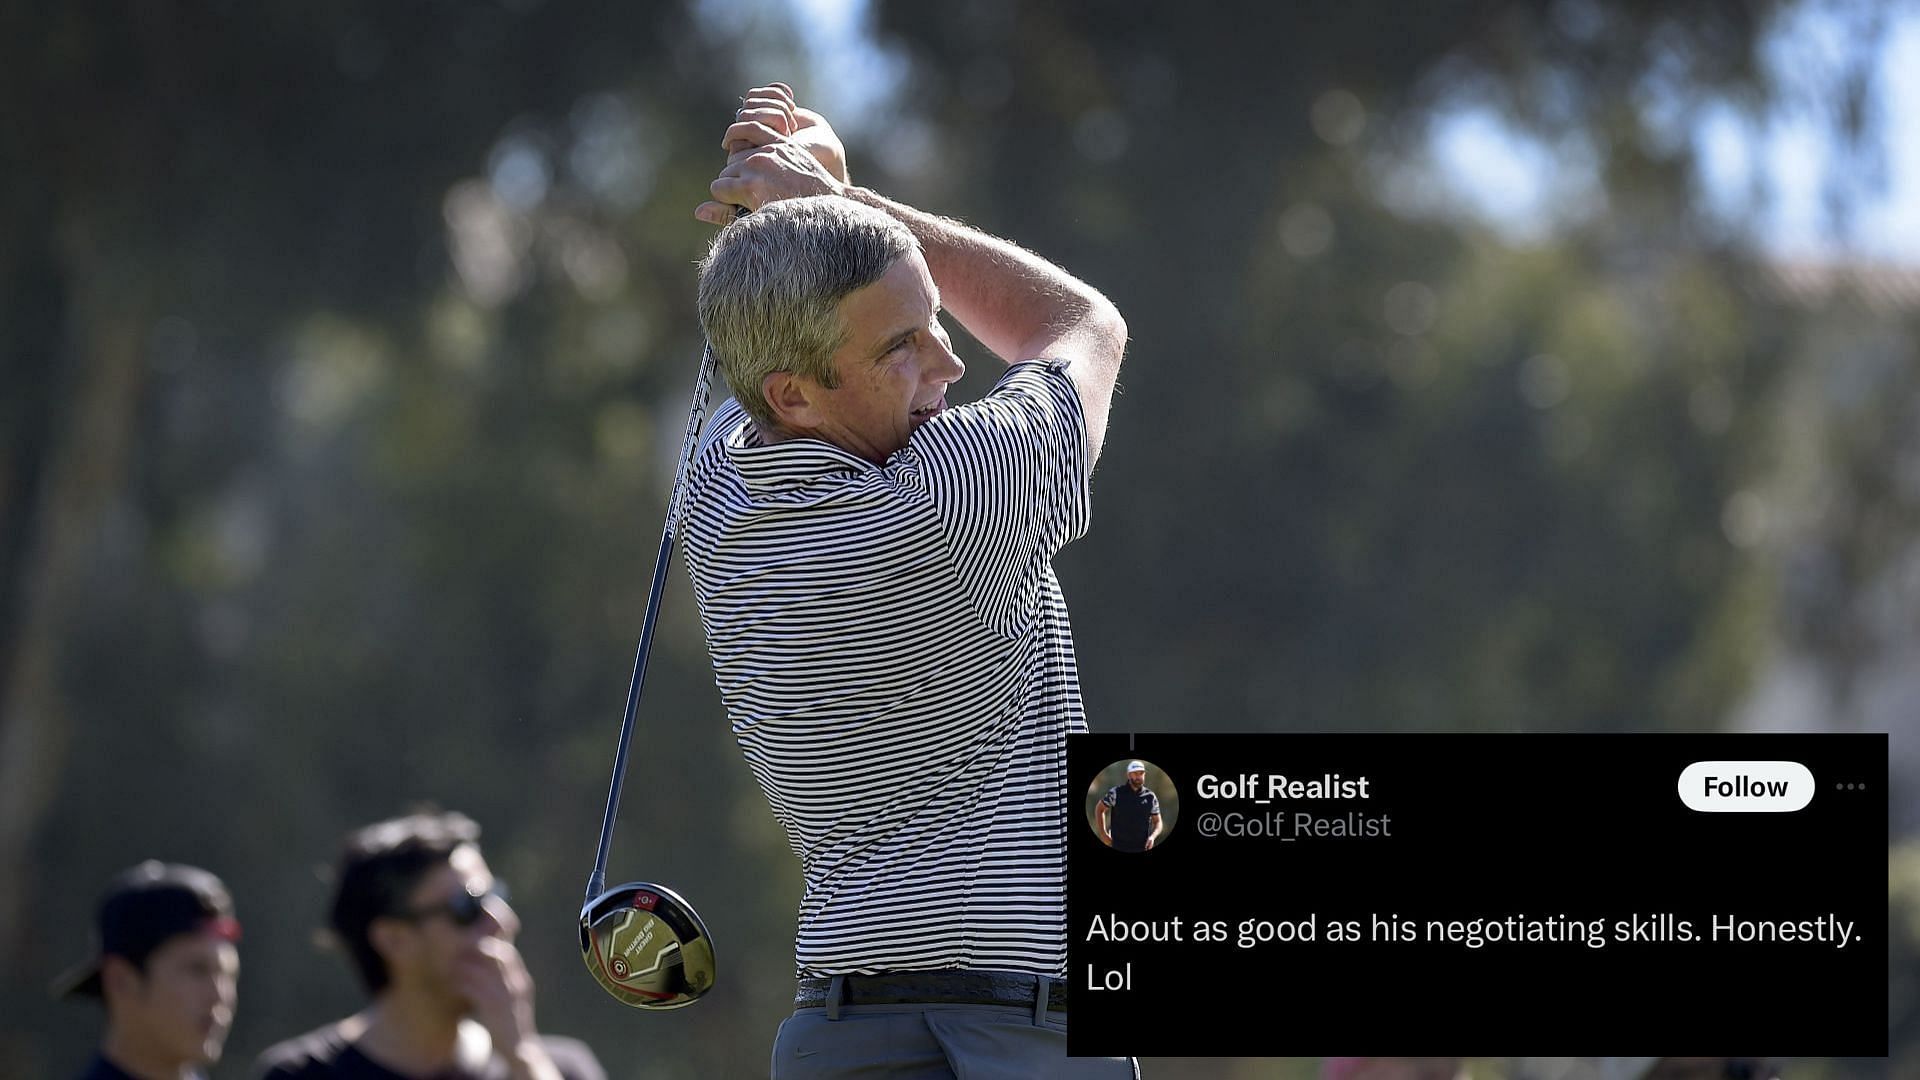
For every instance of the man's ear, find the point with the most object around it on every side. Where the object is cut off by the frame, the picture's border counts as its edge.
(119, 978)
(390, 938)
(790, 397)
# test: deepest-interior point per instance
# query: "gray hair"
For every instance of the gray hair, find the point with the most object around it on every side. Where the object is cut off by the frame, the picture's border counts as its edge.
(771, 284)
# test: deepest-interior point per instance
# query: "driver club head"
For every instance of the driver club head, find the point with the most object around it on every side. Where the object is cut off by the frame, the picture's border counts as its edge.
(647, 946)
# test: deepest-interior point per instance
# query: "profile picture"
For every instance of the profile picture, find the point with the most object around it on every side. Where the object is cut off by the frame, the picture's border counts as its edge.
(1132, 805)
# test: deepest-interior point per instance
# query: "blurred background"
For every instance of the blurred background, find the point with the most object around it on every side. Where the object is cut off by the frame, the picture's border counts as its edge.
(1496, 365)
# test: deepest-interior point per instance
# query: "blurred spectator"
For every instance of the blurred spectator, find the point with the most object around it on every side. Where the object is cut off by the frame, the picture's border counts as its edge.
(165, 969)
(428, 930)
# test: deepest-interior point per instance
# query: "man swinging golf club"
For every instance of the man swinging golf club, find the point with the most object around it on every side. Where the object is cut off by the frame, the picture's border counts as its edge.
(873, 570)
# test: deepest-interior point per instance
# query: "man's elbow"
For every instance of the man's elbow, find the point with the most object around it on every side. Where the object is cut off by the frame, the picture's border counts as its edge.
(1108, 323)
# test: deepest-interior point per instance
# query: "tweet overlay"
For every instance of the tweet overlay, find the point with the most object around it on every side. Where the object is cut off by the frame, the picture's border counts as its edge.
(1406, 895)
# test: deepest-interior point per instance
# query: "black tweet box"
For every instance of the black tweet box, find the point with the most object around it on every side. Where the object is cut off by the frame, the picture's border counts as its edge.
(1534, 831)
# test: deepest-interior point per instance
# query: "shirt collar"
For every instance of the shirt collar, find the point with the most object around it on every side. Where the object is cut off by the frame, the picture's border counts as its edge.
(770, 467)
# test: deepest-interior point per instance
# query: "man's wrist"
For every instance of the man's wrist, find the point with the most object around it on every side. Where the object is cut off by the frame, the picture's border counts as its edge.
(513, 1035)
(866, 197)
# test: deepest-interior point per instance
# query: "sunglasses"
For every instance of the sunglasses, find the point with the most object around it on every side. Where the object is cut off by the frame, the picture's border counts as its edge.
(462, 909)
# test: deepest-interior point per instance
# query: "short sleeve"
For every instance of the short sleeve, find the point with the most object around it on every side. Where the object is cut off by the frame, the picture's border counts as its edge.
(1007, 476)
(1155, 812)
(1110, 798)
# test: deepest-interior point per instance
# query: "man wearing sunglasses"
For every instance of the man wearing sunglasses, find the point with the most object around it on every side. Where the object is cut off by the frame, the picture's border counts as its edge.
(429, 932)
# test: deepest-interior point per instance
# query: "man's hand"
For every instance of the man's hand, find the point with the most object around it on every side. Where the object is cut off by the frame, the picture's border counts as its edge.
(771, 112)
(776, 150)
(495, 982)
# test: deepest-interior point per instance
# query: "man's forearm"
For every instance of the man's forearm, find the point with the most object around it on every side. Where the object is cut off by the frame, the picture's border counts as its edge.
(1010, 299)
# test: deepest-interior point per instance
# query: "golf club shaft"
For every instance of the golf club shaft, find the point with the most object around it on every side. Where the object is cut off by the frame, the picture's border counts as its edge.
(676, 502)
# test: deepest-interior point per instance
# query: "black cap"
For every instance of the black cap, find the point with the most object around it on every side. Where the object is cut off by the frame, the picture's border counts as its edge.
(145, 907)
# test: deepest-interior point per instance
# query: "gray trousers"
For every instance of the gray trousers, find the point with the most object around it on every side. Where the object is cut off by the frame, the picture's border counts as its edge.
(934, 1042)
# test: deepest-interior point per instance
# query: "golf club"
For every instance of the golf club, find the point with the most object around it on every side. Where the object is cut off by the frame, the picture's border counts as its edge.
(643, 942)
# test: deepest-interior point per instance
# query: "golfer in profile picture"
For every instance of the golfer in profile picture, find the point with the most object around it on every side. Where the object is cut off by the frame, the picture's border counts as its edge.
(1128, 816)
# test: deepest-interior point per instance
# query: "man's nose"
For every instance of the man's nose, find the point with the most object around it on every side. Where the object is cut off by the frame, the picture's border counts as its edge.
(950, 368)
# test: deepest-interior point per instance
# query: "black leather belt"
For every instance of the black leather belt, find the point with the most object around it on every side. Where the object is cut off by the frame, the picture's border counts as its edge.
(933, 988)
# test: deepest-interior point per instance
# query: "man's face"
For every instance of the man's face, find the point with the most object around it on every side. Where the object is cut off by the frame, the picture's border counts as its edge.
(181, 1007)
(894, 367)
(430, 942)
(1137, 779)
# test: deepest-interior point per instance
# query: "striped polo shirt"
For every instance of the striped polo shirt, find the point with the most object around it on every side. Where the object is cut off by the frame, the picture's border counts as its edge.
(893, 651)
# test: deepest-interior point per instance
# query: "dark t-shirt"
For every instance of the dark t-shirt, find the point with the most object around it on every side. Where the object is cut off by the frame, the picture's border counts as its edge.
(102, 1069)
(326, 1055)
(1130, 816)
